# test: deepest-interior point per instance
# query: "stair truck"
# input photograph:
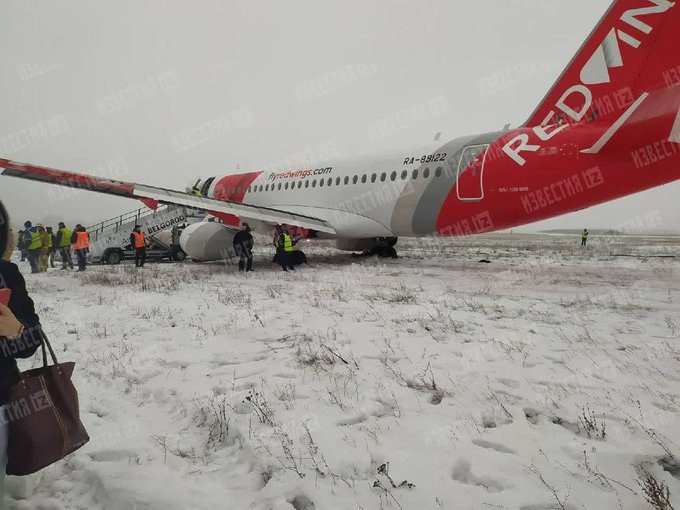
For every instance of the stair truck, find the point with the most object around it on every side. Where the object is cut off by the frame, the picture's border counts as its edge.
(110, 239)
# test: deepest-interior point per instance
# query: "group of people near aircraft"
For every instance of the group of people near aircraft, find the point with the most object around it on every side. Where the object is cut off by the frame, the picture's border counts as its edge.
(283, 241)
(39, 245)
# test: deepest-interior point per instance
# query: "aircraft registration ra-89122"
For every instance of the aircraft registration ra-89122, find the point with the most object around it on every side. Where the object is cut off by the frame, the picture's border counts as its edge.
(609, 127)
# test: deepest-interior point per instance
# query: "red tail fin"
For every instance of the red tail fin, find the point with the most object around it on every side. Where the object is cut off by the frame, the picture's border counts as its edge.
(631, 52)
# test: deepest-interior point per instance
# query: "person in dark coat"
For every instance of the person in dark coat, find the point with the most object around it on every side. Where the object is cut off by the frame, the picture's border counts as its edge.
(243, 246)
(20, 331)
(21, 245)
(53, 249)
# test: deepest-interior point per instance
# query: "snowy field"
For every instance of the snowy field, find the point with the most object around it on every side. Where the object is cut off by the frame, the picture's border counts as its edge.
(548, 378)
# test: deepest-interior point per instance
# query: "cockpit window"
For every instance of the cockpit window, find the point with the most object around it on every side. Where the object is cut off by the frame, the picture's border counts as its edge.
(206, 186)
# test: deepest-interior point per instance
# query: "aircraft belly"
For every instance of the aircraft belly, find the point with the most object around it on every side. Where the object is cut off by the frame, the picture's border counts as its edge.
(346, 224)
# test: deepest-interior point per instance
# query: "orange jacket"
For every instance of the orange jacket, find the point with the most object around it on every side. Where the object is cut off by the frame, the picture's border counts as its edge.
(82, 241)
(140, 242)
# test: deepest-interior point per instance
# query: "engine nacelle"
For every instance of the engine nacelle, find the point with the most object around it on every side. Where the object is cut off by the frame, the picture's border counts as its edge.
(207, 241)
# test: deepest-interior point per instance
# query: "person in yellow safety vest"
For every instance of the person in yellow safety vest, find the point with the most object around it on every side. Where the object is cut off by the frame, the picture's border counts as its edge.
(584, 237)
(138, 240)
(81, 244)
(33, 245)
(46, 244)
(53, 247)
(284, 249)
(64, 246)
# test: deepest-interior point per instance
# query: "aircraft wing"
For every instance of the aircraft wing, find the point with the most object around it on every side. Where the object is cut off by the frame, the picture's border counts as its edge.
(152, 195)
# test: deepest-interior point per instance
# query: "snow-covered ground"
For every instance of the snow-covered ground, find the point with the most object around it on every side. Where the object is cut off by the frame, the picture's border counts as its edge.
(547, 378)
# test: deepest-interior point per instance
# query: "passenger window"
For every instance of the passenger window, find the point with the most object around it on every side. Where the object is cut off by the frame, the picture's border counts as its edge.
(346, 180)
(306, 184)
(299, 184)
(355, 179)
(286, 186)
(383, 176)
(404, 175)
(373, 178)
(415, 174)
(426, 173)
(314, 183)
(266, 188)
(330, 181)
(393, 176)
(438, 172)
(363, 179)
(321, 181)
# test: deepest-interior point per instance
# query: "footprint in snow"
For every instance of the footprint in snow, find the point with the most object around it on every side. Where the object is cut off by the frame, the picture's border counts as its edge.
(493, 446)
(301, 502)
(111, 455)
(494, 419)
(462, 473)
(531, 415)
(510, 383)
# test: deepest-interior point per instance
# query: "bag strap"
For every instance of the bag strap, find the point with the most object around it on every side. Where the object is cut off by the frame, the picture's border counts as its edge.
(46, 343)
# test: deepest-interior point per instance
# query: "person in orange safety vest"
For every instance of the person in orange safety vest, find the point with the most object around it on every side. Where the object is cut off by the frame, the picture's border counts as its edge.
(138, 241)
(81, 244)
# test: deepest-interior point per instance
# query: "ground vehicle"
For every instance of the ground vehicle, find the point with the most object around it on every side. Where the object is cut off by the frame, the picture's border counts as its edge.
(110, 239)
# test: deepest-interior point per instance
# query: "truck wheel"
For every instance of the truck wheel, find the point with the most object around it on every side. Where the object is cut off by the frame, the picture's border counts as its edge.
(113, 257)
(179, 255)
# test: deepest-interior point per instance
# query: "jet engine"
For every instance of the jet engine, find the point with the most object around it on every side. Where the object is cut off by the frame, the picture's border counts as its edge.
(207, 241)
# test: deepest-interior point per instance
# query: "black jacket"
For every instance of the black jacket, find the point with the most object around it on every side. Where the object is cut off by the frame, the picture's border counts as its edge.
(243, 242)
(22, 307)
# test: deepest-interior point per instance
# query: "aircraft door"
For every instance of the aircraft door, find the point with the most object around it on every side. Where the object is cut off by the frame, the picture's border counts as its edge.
(470, 175)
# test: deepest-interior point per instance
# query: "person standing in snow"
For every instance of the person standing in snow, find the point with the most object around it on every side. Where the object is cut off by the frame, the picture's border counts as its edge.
(63, 244)
(46, 244)
(284, 248)
(81, 244)
(243, 246)
(138, 241)
(584, 237)
(53, 246)
(33, 245)
(20, 333)
(21, 245)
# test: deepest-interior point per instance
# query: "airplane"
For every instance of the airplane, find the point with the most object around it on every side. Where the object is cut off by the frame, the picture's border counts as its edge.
(609, 127)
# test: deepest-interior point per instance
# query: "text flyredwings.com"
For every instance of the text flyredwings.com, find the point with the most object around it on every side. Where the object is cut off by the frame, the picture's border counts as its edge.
(300, 174)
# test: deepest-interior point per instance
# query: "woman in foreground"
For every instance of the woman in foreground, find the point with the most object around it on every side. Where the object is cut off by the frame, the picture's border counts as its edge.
(20, 333)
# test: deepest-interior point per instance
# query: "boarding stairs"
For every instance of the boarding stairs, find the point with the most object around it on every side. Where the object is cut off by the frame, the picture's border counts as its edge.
(114, 233)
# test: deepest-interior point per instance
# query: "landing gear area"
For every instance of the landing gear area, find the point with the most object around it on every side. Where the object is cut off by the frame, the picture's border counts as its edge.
(384, 248)
(297, 258)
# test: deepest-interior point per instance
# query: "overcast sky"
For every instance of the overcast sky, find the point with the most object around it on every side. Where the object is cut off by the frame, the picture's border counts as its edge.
(163, 92)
